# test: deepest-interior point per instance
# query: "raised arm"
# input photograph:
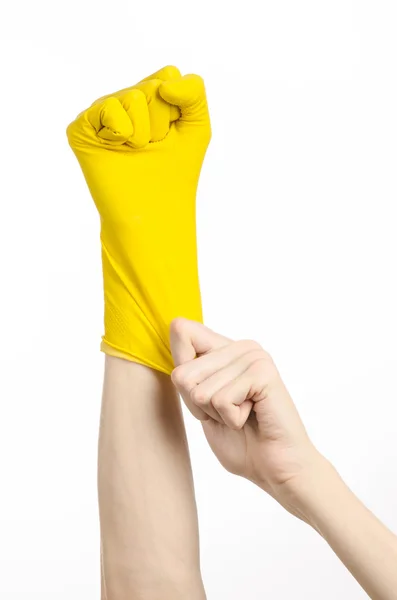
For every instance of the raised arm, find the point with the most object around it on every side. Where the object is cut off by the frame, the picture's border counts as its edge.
(141, 150)
(149, 533)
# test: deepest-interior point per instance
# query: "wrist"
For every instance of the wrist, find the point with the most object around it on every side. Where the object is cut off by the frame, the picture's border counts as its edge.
(313, 489)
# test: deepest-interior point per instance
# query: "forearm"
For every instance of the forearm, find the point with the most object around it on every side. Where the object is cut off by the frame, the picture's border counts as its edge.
(146, 497)
(366, 547)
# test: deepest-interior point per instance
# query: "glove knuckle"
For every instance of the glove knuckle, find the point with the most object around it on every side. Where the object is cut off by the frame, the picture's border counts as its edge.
(111, 104)
(171, 72)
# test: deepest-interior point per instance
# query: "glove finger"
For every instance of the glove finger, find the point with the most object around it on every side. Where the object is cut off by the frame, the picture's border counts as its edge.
(165, 74)
(151, 89)
(188, 94)
(135, 105)
(159, 110)
(105, 119)
(168, 72)
(110, 121)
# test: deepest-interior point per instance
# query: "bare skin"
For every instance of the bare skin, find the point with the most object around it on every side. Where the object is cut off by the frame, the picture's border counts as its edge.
(149, 533)
(254, 429)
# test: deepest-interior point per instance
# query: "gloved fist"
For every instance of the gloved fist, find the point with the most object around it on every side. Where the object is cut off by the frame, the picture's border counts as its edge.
(141, 150)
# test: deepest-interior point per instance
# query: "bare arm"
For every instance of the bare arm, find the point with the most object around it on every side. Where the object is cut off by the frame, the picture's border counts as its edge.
(147, 509)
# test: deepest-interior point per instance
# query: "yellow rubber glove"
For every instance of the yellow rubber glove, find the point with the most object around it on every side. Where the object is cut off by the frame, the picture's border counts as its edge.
(141, 151)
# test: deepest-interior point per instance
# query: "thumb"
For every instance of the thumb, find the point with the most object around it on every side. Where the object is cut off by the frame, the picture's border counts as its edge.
(190, 339)
(188, 94)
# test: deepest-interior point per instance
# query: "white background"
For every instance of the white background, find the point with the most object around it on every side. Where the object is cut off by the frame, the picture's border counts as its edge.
(298, 249)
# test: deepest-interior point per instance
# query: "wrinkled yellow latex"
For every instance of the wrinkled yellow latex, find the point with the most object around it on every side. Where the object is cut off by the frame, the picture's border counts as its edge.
(141, 150)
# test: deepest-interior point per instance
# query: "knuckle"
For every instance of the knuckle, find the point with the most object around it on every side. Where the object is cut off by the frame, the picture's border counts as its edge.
(269, 363)
(112, 103)
(198, 396)
(218, 400)
(264, 370)
(258, 367)
(255, 355)
(236, 426)
(200, 82)
(132, 95)
(250, 345)
(259, 353)
(171, 71)
(268, 357)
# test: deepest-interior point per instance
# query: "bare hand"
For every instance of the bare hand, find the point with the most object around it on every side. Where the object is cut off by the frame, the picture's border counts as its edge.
(248, 416)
